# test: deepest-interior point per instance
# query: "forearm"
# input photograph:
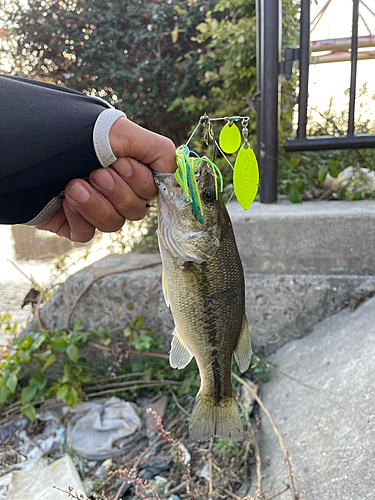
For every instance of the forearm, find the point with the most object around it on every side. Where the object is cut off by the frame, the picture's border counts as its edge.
(46, 139)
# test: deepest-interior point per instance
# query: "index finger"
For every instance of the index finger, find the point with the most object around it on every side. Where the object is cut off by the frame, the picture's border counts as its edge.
(130, 140)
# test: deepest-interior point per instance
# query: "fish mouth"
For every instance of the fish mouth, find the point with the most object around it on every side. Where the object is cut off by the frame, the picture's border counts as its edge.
(174, 233)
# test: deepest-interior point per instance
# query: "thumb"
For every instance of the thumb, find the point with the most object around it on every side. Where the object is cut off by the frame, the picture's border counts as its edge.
(130, 140)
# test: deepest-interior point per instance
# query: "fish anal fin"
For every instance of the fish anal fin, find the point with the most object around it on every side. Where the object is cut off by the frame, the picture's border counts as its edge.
(221, 420)
(165, 288)
(179, 356)
(243, 350)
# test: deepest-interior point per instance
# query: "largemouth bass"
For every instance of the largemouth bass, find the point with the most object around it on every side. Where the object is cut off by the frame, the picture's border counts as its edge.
(203, 283)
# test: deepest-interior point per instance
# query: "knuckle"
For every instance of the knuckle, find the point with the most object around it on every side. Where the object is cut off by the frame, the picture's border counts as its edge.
(170, 146)
(125, 204)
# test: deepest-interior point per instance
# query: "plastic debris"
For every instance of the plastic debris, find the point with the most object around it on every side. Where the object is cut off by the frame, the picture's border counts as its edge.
(12, 428)
(38, 446)
(205, 472)
(53, 419)
(103, 468)
(101, 429)
(37, 483)
(187, 456)
(159, 481)
(153, 468)
(4, 485)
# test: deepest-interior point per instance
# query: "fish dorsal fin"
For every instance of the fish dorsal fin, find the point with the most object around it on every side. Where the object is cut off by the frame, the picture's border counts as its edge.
(243, 350)
(165, 288)
(180, 356)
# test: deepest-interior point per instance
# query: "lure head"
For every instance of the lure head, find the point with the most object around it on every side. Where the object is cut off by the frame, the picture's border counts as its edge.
(180, 231)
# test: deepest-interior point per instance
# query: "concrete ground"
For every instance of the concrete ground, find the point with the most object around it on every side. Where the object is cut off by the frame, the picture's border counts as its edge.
(322, 398)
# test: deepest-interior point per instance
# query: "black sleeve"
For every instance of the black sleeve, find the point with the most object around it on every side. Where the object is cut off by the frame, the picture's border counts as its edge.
(45, 141)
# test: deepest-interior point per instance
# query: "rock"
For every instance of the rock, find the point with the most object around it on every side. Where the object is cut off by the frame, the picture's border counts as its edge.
(326, 413)
(112, 301)
(284, 307)
(279, 307)
(361, 178)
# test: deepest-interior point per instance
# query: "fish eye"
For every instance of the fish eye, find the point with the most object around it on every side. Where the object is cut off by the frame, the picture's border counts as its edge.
(209, 195)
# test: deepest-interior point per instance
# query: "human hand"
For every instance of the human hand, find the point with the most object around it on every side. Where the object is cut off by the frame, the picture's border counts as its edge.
(116, 193)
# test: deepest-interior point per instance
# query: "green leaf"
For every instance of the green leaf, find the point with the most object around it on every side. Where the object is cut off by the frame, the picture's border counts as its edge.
(73, 352)
(334, 171)
(38, 342)
(3, 395)
(73, 398)
(49, 362)
(230, 138)
(358, 195)
(246, 176)
(24, 356)
(16, 341)
(62, 391)
(295, 196)
(322, 173)
(138, 322)
(26, 343)
(43, 355)
(77, 326)
(28, 394)
(29, 413)
(59, 345)
(12, 382)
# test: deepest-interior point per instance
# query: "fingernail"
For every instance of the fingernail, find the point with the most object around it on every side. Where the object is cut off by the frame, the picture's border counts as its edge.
(104, 179)
(125, 170)
(71, 208)
(79, 193)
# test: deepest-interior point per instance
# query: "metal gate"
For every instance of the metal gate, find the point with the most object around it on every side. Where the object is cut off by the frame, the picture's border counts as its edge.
(269, 66)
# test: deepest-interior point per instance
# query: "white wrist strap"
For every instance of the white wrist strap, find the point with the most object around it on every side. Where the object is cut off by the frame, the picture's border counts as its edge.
(102, 127)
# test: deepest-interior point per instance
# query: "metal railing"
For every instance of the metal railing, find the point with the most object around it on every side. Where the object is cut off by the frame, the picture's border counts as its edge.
(268, 69)
(350, 140)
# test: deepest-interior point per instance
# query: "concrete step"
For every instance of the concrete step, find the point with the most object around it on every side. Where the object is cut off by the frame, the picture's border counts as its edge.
(282, 307)
(319, 238)
(321, 396)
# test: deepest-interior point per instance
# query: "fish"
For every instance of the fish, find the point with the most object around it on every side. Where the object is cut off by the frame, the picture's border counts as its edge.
(203, 284)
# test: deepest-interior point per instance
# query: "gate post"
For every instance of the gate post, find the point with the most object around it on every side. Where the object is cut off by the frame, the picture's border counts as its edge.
(268, 56)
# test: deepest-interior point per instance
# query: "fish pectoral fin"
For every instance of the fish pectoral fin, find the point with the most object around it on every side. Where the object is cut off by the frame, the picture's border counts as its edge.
(243, 351)
(165, 288)
(179, 356)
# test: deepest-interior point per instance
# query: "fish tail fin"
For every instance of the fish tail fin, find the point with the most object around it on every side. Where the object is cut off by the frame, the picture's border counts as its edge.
(210, 419)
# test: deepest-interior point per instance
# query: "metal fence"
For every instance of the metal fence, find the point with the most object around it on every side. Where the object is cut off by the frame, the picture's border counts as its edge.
(269, 66)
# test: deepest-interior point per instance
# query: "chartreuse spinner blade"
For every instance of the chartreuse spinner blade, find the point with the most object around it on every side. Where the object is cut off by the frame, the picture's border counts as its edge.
(185, 176)
(246, 172)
